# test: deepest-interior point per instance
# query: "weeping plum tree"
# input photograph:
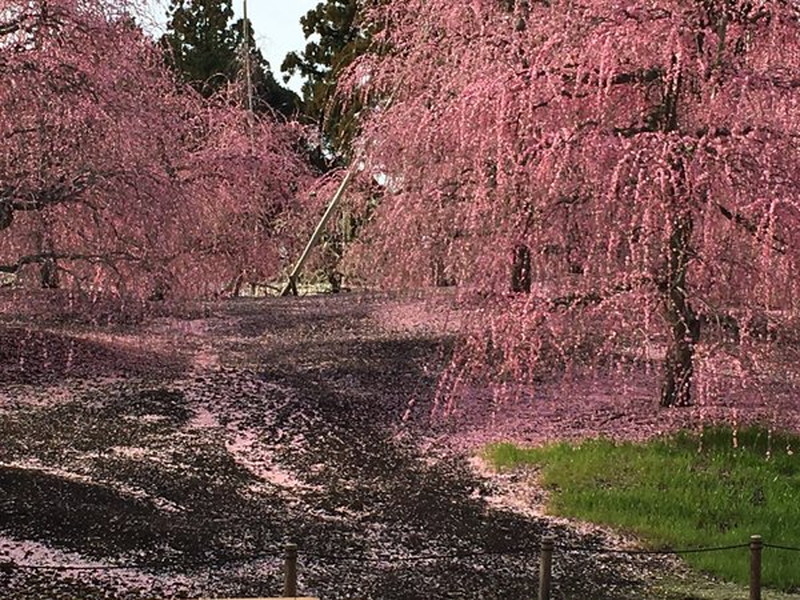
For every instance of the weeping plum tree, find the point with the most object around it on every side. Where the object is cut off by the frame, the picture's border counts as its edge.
(114, 176)
(634, 165)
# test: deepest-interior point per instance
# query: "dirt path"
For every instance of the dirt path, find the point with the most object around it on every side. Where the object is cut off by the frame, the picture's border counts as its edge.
(198, 446)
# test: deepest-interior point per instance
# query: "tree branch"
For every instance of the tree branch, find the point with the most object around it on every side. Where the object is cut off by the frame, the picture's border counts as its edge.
(32, 259)
(778, 244)
(13, 199)
(584, 300)
(10, 27)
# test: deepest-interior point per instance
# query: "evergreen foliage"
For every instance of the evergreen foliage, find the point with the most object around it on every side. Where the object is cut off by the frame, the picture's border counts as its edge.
(336, 37)
(206, 46)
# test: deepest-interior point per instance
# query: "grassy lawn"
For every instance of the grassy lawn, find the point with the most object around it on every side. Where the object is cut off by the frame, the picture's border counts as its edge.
(684, 491)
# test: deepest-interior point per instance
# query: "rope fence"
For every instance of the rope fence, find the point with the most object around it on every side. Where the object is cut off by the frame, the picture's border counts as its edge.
(11, 565)
(547, 550)
(656, 552)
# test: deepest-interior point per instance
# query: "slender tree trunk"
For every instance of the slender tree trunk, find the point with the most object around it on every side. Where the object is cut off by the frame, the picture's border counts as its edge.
(439, 272)
(48, 267)
(683, 324)
(236, 288)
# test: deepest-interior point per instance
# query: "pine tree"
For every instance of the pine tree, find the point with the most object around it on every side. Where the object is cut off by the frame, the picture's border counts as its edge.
(205, 46)
(201, 42)
(336, 38)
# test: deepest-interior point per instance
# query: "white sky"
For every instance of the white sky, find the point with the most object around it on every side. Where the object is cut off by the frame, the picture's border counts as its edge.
(276, 24)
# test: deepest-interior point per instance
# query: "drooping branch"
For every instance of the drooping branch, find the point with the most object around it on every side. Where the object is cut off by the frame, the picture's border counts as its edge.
(568, 74)
(595, 297)
(778, 244)
(13, 199)
(50, 257)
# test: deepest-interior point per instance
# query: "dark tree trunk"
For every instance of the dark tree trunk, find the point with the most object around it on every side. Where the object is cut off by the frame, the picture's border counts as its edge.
(684, 327)
(236, 288)
(6, 214)
(48, 274)
(441, 278)
(521, 269)
(683, 323)
(334, 280)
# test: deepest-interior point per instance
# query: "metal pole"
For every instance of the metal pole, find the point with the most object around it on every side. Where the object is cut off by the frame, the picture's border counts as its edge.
(290, 571)
(756, 544)
(291, 284)
(546, 567)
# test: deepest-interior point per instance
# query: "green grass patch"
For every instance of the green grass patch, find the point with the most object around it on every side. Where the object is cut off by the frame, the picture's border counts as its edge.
(715, 488)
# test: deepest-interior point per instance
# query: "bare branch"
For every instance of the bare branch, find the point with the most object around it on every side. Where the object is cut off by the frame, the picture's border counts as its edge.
(106, 257)
(595, 297)
(777, 244)
(10, 27)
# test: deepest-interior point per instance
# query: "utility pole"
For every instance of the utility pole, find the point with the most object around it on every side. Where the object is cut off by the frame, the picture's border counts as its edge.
(248, 73)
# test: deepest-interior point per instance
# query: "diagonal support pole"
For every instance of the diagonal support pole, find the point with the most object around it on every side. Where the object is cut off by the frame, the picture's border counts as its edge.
(291, 285)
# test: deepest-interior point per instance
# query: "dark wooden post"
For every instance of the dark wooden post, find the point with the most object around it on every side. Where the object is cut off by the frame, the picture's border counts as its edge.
(545, 567)
(755, 567)
(290, 571)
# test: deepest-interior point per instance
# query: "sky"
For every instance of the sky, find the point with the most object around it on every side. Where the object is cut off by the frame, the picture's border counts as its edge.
(276, 24)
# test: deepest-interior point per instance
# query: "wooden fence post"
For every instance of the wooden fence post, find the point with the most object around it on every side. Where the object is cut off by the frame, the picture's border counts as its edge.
(545, 567)
(290, 571)
(755, 567)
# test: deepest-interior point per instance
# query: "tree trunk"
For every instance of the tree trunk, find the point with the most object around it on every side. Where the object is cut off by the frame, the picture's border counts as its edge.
(6, 214)
(682, 321)
(521, 270)
(684, 326)
(441, 277)
(48, 274)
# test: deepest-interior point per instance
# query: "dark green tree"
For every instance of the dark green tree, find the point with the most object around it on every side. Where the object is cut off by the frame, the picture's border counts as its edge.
(268, 94)
(202, 43)
(336, 37)
(205, 46)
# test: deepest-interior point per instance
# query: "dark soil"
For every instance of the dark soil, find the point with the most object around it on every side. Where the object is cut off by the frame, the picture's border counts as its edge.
(181, 455)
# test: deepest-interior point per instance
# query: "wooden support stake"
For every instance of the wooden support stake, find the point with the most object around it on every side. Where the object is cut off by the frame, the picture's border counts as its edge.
(546, 567)
(290, 571)
(756, 545)
(291, 285)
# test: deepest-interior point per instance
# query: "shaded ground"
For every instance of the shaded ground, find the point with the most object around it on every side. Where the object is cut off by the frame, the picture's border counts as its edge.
(196, 447)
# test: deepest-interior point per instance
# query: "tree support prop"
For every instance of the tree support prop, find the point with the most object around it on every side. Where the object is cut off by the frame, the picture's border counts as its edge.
(291, 285)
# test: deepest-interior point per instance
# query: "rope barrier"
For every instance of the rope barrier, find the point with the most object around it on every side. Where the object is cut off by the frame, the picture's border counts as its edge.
(662, 552)
(8, 566)
(779, 547)
(532, 550)
(420, 557)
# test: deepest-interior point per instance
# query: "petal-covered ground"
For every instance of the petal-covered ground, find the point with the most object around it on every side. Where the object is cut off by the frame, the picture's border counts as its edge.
(176, 457)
